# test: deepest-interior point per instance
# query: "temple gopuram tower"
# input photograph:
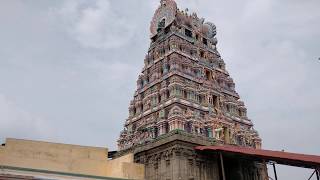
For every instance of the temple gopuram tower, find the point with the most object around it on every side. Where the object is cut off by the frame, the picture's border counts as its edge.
(185, 97)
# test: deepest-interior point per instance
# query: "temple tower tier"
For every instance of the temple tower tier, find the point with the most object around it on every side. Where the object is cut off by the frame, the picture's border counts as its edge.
(184, 87)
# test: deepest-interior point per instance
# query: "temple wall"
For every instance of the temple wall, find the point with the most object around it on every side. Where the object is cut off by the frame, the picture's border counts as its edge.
(125, 167)
(68, 159)
(179, 162)
(174, 158)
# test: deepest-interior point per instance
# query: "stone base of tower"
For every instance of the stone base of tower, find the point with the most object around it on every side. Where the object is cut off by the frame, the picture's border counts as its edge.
(173, 157)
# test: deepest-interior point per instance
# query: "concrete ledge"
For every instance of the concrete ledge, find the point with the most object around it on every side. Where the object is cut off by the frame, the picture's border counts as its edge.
(19, 169)
(175, 135)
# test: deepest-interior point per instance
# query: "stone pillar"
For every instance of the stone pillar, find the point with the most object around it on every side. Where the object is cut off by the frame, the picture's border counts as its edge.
(210, 132)
(226, 135)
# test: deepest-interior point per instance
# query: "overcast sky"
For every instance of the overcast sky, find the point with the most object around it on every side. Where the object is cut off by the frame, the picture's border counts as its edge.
(68, 69)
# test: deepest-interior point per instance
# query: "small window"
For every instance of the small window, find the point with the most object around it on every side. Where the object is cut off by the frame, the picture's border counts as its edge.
(201, 54)
(205, 41)
(168, 94)
(208, 75)
(185, 94)
(134, 127)
(214, 101)
(156, 132)
(167, 127)
(228, 108)
(188, 33)
(200, 99)
(161, 24)
(154, 39)
(166, 30)
(195, 72)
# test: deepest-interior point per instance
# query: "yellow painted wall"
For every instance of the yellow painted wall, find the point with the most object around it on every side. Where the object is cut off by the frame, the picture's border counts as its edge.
(128, 169)
(1, 150)
(68, 158)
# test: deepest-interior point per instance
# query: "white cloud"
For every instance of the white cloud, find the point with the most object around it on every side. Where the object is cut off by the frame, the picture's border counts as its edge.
(96, 24)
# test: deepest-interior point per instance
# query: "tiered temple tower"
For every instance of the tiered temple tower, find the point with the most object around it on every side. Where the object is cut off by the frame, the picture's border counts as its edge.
(185, 98)
(184, 85)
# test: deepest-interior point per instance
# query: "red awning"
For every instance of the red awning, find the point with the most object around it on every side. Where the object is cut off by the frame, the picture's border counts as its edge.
(280, 157)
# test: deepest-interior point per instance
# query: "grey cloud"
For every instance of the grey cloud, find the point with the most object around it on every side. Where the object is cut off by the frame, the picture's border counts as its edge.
(17, 122)
(69, 68)
(95, 24)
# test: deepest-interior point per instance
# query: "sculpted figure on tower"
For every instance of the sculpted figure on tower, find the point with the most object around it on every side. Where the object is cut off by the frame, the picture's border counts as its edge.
(185, 86)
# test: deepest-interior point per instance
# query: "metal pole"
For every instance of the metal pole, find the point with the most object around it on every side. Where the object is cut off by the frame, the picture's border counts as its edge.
(275, 171)
(312, 174)
(318, 174)
(222, 167)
